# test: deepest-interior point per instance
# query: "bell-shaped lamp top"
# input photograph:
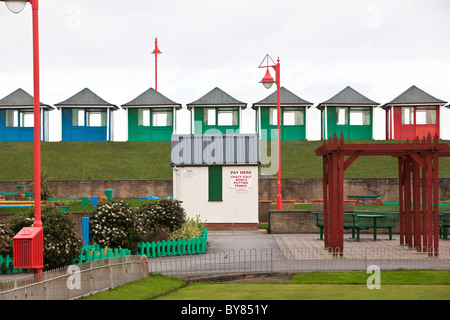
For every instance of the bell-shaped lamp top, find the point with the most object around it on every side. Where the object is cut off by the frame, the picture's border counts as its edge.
(16, 6)
(268, 80)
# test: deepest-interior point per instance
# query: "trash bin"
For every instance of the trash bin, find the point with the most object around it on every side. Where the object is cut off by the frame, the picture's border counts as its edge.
(84, 201)
(28, 248)
(94, 201)
(109, 194)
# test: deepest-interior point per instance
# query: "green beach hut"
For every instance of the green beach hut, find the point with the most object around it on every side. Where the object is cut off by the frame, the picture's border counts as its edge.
(151, 117)
(216, 112)
(348, 112)
(293, 116)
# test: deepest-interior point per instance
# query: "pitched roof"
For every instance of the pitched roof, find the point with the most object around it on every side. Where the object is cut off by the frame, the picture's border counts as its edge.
(348, 97)
(151, 98)
(86, 98)
(415, 96)
(287, 98)
(20, 99)
(216, 97)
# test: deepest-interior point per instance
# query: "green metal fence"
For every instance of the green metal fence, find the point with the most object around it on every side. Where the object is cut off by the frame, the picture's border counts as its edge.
(174, 247)
(149, 249)
(7, 265)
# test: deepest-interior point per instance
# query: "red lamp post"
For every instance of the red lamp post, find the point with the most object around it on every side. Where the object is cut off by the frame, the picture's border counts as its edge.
(156, 52)
(16, 6)
(268, 81)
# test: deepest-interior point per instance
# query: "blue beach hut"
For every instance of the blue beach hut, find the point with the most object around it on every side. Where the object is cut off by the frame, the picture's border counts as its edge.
(17, 117)
(86, 117)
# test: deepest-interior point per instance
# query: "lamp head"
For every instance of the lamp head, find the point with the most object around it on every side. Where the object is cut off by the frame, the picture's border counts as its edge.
(268, 80)
(15, 6)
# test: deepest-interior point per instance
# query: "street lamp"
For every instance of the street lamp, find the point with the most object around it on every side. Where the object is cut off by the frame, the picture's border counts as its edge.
(267, 82)
(156, 52)
(16, 6)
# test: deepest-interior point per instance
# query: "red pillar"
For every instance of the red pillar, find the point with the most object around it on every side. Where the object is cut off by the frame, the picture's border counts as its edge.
(436, 200)
(408, 213)
(325, 200)
(401, 213)
(425, 191)
(340, 198)
(416, 205)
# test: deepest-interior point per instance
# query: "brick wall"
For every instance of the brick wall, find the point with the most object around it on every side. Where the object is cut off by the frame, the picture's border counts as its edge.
(299, 221)
(291, 189)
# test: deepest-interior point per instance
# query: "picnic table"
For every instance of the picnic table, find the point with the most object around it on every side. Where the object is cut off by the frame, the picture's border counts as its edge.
(360, 220)
(373, 217)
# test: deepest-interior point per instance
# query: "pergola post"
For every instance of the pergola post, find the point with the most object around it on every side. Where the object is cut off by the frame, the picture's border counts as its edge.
(418, 213)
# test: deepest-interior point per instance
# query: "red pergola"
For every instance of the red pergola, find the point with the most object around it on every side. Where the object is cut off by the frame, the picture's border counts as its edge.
(417, 230)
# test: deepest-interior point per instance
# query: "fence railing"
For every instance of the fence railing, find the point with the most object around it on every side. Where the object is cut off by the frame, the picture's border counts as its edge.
(150, 249)
(174, 247)
(295, 260)
(76, 280)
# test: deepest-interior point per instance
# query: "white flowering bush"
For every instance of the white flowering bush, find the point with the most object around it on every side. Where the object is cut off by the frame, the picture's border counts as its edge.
(61, 242)
(115, 224)
(160, 218)
(6, 242)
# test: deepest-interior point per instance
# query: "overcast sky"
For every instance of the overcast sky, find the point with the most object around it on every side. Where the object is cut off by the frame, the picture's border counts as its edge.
(378, 47)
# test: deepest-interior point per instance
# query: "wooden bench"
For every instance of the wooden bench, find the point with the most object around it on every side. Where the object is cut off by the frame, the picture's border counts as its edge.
(354, 222)
(348, 222)
(444, 224)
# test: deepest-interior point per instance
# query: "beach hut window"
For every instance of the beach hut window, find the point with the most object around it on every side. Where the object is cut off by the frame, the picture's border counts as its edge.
(293, 117)
(360, 116)
(26, 119)
(77, 117)
(341, 116)
(425, 116)
(143, 117)
(12, 118)
(96, 118)
(162, 118)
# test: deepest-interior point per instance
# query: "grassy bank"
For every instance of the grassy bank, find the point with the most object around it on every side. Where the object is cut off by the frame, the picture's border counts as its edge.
(151, 160)
(402, 284)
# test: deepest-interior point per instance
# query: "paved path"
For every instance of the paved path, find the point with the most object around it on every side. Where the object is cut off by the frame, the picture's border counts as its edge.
(303, 247)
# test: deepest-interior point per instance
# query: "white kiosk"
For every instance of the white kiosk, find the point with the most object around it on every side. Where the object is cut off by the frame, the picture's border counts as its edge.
(216, 177)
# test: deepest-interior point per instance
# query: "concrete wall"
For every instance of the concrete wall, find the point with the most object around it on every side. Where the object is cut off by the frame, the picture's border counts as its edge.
(292, 189)
(298, 221)
(85, 188)
(308, 189)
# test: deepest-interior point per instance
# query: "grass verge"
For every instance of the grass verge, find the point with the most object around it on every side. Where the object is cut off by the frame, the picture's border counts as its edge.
(395, 285)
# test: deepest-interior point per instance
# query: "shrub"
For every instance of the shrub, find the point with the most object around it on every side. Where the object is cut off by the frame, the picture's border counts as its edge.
(161, 217)
(190, 229)
(6, 242)
(114, 224)
(61, 243)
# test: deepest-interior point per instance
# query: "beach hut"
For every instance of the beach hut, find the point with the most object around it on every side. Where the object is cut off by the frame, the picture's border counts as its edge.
(293, 116)
(86, 117)
(413, 113)
(349, 113)
(17, 117)
(216, 112)
(151, 117)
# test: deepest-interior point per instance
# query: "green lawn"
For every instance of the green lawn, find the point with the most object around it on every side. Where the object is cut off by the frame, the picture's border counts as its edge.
(395, 285)
(151, 160)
